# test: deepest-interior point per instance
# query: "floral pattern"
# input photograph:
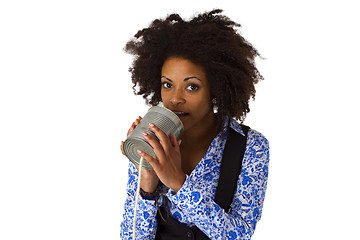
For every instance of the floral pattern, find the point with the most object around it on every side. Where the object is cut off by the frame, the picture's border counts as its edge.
(194, 203)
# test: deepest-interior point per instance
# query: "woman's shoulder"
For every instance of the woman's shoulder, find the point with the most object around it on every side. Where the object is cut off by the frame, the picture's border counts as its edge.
(258, 149)
(253, 136)
(257, 137)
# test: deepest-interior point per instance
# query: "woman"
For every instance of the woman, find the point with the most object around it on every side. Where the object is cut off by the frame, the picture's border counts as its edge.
(204, 71)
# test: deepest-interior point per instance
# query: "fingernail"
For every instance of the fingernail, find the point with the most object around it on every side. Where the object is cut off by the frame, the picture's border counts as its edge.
(151, 124)
(144, 133)
(139, 151)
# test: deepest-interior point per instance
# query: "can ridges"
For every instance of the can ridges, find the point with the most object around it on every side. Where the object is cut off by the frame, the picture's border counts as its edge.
(163, 118)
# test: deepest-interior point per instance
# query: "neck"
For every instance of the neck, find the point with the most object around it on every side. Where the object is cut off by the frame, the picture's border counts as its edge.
(201, 135)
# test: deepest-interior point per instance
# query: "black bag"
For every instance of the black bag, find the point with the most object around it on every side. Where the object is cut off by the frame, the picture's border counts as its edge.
(230, 169)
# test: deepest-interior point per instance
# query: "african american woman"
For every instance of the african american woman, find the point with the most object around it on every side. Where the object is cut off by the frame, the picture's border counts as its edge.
(204, 71)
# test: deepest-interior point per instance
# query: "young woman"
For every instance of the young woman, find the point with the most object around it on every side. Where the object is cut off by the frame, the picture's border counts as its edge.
(204, 71)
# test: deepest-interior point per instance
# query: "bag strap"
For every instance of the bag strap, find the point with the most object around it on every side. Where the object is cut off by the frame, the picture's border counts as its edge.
(230, 168)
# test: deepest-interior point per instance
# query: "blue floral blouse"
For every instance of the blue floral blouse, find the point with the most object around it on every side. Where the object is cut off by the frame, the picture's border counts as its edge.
(194, 203)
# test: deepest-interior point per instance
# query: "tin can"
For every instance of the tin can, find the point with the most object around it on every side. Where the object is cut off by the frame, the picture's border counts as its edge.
(164, 119)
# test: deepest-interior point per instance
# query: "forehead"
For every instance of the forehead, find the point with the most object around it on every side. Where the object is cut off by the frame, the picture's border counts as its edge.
(175, 66)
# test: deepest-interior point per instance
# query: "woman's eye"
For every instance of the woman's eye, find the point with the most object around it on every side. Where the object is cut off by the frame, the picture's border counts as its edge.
(166, 85)
(192, 87)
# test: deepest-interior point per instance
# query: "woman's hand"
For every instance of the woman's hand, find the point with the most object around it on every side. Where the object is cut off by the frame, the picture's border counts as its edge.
(133, 126)
(167, 163)
(149, 178)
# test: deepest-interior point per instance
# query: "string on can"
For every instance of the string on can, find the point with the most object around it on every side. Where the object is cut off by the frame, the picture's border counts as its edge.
(137, 197)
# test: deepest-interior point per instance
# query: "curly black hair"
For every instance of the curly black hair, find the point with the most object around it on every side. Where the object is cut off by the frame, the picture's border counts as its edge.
(211, 40)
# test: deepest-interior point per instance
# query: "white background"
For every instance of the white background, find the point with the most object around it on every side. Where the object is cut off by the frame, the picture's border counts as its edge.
(66, 103)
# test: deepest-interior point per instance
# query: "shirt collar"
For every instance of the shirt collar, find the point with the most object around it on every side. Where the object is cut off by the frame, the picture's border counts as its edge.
(234, 124)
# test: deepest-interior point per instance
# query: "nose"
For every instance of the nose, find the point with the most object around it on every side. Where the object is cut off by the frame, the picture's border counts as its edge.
(177, 98)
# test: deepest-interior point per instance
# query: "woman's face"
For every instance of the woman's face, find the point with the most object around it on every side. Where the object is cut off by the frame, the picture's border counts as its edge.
(186, 91)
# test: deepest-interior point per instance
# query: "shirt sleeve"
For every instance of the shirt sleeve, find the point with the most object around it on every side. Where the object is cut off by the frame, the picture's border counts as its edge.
(245, 210)
(146, 223)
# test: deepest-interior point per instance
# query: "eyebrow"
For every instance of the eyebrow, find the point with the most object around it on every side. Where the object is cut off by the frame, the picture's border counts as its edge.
(185, 79)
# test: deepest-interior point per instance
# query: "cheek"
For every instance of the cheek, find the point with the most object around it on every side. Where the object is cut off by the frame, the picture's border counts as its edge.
(205, 100)
(203, 105)
(164, 97)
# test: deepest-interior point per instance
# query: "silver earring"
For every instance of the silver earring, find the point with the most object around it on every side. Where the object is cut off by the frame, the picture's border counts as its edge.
(215, 107)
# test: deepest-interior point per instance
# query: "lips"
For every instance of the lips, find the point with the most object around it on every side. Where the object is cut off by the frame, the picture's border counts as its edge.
(181, 114)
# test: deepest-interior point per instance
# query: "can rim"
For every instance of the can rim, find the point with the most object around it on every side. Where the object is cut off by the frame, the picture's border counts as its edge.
(182, 125)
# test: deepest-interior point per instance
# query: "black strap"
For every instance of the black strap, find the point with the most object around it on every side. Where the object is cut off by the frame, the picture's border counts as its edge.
(230, 169)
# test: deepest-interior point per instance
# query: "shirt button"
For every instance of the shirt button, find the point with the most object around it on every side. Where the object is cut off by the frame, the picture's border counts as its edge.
(189, 234)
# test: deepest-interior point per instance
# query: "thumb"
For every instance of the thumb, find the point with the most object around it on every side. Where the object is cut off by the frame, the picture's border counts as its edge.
(175, 142)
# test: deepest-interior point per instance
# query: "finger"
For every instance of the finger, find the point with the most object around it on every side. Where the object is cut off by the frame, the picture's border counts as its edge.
(153, 161)
(131, 129)
(133, 126)
(121, 147)
(164, 139)
(175, 142)
(158, 149)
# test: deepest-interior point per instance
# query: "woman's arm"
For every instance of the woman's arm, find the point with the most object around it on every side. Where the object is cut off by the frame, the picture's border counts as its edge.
(245, 210)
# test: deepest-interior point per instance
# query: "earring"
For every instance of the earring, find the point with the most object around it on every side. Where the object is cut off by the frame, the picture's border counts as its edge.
(215, 107)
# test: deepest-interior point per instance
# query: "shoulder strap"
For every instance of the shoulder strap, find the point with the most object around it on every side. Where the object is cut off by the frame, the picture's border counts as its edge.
(230, 168)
